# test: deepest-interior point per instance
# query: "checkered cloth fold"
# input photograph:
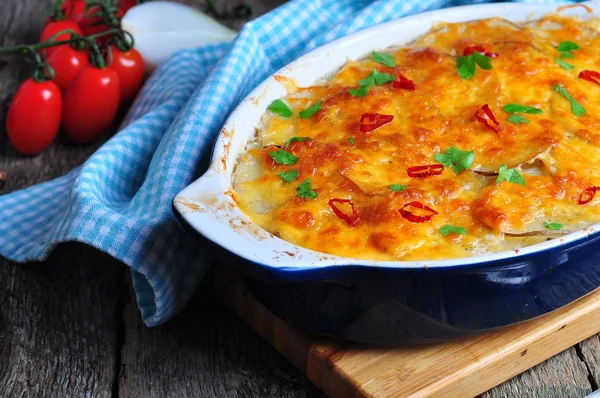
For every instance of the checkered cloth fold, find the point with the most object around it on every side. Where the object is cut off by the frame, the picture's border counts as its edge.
(119, 201)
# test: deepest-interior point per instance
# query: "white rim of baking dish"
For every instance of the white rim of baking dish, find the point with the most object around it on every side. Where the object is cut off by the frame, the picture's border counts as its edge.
(207, 204)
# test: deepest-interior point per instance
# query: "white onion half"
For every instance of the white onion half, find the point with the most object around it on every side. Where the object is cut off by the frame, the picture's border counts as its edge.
(160, 28)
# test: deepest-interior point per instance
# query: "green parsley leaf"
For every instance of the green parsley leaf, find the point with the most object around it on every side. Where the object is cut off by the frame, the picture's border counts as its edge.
(367, 81)
(299, 139)
(576, 107)
(516, 108)
(382, 78)
(384, 59)
(397, 187)
(457, 158)
(553, 225)
(566, 54)
(516, 119)
(564, 64)
(466, 66)
(361, 91)
(283, 157)
(376, 78)
(279, 107)
(288, 176)
(304, 190)
(311, 110)
(483, 61)
(450, 229)
(351, 140)
(510, 175)
(567, 46)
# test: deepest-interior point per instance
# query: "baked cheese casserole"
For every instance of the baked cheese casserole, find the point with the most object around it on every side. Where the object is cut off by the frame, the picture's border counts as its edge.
(478, 137)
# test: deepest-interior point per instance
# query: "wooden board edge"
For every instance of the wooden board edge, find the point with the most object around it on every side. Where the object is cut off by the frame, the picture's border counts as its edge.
(297, 346)
(544, 338)
(291, 342)
(547, 336)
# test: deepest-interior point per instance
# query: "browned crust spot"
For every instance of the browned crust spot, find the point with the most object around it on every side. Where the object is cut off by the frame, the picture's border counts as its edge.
(189, 205)
(288, 83)
(227, 134)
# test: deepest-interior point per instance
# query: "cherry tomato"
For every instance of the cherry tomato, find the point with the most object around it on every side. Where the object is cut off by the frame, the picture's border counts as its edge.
(129, 65)
(33, 117)
(53, 27)
(94, 24)
(74, 10)
(67, 62)
(91, 103)
(89, 23)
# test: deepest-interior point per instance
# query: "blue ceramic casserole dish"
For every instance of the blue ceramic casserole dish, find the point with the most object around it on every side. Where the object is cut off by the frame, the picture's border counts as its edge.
(381, 301)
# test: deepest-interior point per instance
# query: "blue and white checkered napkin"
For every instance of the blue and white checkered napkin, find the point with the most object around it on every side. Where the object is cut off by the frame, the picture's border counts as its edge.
(119, 201)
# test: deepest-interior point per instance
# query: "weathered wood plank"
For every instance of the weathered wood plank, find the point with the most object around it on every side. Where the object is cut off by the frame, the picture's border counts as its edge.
(562, 376)
(57, 319)
(590, 351)
(58, 325)
(205, 351)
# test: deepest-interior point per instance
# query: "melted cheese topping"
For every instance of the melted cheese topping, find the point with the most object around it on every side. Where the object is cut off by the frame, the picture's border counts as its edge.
(557, 152)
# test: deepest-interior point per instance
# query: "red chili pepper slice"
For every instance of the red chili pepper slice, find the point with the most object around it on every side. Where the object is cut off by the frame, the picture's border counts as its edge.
(486, 116)
(410, 211)
(471, 49)
(372, 121)
(587, 195)
(425, 171)
(403, 83)
(590, 76)
(350, 219)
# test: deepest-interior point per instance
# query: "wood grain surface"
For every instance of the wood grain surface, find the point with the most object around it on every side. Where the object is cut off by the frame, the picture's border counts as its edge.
(462, 368)
(69, 326)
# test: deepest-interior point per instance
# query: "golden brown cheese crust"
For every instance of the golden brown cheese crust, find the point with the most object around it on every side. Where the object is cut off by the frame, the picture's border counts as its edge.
(557, 152)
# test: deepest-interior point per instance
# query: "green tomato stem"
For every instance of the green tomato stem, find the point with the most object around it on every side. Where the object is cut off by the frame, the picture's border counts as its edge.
(74, 40)
(57, 13)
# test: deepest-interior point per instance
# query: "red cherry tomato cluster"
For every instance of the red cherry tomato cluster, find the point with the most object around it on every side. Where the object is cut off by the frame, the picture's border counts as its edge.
(85, 79)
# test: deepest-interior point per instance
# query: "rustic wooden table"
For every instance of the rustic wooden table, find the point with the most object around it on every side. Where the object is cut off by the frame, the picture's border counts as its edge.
(69, 326)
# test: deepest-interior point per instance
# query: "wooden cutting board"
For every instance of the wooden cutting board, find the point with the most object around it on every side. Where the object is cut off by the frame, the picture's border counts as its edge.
(462, 368)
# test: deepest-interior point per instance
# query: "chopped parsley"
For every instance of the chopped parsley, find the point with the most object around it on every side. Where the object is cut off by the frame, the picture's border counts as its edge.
(361, 91)
(351, 140)
(283, 157)
(376, 78)
(279, 107)
(305, 191)
(311, 110)
(517, 108)
(384, 59)
(567, 46)
(299, 139)
(555, 226)
(510, 175)
(468, 64)
(397, 187)
(565, 49)
(457, 158)
(566, 54)
(450, 229)
(564, 64)
(576, 107)
(516, 119)
(288, 176)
